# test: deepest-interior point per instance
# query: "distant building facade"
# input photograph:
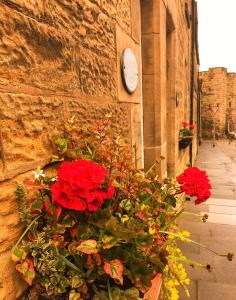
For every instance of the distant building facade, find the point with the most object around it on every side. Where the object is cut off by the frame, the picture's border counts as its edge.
(218, 87)
(60, 59)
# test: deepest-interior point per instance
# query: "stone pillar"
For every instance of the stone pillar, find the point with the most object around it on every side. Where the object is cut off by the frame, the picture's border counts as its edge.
(154, 83)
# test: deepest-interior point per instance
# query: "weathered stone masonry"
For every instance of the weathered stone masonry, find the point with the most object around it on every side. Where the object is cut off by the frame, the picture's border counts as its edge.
(60, 58)
(57, 59)
(218, 87)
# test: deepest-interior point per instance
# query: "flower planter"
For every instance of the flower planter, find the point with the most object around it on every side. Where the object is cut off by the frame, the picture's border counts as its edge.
(154, 292)
(183, 143)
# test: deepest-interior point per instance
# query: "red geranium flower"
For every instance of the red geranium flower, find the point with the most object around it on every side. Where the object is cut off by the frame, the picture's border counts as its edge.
(195, 182)
(184, 124)
(80, 185)
(192, 126)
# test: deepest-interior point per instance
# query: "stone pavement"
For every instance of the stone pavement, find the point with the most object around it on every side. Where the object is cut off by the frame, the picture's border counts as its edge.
(219, 233)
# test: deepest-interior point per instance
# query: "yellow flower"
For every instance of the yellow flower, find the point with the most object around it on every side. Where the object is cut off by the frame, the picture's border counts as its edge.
(185, 233)
(151, 230)
(174, 294)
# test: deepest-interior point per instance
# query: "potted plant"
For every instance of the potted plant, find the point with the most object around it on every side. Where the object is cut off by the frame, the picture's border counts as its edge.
(96, 226)
(185, 134)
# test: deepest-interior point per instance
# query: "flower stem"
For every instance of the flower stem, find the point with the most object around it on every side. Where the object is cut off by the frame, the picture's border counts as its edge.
(173, 219)
(189, 213)
(193, 242)
(178, 193)
(25, 232)
(109, 290)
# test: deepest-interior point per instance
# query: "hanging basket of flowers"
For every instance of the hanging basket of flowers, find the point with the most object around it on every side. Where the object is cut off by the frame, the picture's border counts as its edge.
(96, 226)
(185, 142)
(186, 135)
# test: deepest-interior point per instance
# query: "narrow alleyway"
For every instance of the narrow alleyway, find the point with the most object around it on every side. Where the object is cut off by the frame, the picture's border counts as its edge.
(219, 233)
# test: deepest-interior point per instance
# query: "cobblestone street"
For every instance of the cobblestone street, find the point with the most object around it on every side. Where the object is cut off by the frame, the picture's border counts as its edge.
(219, 233)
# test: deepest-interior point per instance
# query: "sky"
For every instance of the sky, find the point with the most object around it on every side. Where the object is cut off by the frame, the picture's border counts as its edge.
(217, 34)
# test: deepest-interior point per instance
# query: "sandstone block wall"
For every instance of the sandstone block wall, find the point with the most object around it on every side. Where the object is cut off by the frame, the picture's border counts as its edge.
(166, 54)
(61, 58)
(58, 58)
(218, 87)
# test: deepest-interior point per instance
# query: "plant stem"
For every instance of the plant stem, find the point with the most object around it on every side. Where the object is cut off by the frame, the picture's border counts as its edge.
(109, 290)
(193, 242)
(150, 169)
(173, 219)
(178, 193)
(192, 214)
(25, 232)
(144, 202)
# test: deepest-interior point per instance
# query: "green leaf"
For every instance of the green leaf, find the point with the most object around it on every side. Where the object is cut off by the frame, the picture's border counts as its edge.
(74, 295)
(62, 144)
(109, 242)
(115, 269)
(58, 228)
(69, 264)
(132, 294)
(126, 204)
(76, 282)
(27, 270)
(56, 158)
(88, 247)
(68, 221)
(17, 254)
(37, 207)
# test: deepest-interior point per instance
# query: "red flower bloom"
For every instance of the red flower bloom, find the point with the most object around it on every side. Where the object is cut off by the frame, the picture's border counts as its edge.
(79, 186)
(184, 124)
(195, 182)
(192, 126)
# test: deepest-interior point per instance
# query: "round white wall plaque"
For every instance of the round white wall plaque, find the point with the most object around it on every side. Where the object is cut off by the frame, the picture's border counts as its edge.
(129, 70)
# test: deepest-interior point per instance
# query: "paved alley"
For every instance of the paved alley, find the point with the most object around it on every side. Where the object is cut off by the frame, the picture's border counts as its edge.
(219, 233)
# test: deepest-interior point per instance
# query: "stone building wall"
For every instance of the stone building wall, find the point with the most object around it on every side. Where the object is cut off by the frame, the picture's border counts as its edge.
(166, 54)
(231, 102)
(61, 58)
(218, 87)
(58, 58)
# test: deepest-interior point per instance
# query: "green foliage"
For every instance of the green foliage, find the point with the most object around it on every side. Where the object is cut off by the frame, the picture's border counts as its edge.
(174, 274)
(73, 252)
(118, 294)
(24, 211)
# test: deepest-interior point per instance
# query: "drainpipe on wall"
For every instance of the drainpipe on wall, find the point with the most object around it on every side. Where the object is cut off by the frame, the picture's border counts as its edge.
(192, 73)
